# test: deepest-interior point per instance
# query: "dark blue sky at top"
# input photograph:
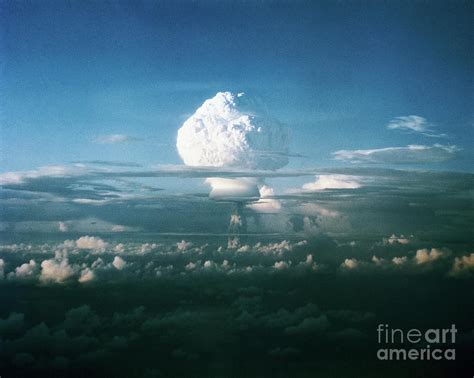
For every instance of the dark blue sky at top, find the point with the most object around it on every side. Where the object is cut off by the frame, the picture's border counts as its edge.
(335, 72)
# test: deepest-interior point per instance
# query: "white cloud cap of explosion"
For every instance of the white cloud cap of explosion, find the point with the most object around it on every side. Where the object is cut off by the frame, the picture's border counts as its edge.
(232, 130)
(233, 189)
(229, 130)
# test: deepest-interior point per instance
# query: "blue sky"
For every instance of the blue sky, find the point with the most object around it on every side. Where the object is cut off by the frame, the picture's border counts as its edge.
(116, 258)
(335, 73)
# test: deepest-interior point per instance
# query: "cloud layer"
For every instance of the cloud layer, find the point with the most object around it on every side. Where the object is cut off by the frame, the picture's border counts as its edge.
(399, 155)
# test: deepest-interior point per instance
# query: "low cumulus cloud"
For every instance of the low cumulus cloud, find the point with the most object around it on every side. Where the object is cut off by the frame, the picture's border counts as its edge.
(394, 239)
(119, 263)
(87, 275)
(350, 264)
(25, 271)
(91, 242)
(399, 260)
(399, 155)
(425, 256)
(424, 260)
(72, 263)
(56, 271)
(463, 266)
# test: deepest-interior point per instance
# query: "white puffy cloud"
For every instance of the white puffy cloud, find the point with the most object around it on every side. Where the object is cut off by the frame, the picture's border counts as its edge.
(399, 155)
(57, 271)
(260, 258)
(91, 242)
(266, 204)
(183, 245)
(190, 266)
(244, 248)
(62, 227)
(115, 139)
(394, 239)
(423, 258)
(280, 265)
(87, 275)
(332, 182)
(147, 247)
(400, 260)
(275, 248)
(380, 262)
(350, 264)
(229, 130)
(26, 270)
(119, 263)
(424, 255)
(266, 191)
(377, 260)
(209, 264)
(463, 265)
(309, 262)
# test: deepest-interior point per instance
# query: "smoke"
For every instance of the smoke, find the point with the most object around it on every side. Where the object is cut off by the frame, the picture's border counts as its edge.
(241, 189)
(231, 130)
(237, 226)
